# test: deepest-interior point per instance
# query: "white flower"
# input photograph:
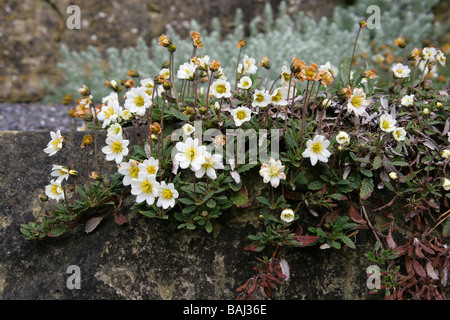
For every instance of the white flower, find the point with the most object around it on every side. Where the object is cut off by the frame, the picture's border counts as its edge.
(357, 102)
(116, 148)
(446, 184)
(393, 175)
(440, 57)
(221, 89)
(287, 215)
(150, 166)
(54, 190)
(203, 62)
(401, 71)
(126, 114)
(316, 149)
(188, 129)
(186, 71)
(137, 101)
(343, 138)
(429, 53)
(285, 76)
(387, 123)
(408, 100)
(328, 67)
(145, 188)
(241, 115)
(60, 172)
(272, 172)
(248, 66)
(279, 97)
(114, 129)
(399, 134)
(166, 195)
(245, 83)
(149, 85)
(211, 163)
(190, 154)
(113, 96)
(165, 72)
(261, 98)
(445, 153)
(129, 170)
(55, 144)
(109, 113)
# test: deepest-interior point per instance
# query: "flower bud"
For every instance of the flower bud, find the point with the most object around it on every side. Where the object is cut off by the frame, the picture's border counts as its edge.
(114, 85)
(84, 90)
(363, 23)
(68, 98)
(129, 83)
(155, 128)
(172, 48)
(165, 65)
(265, 63)
(87, 141)
(241, 44)
(73, 173)
(445, 153)
(87, 116)
(43, 197)
(164, 41)
(326, 103)
(393, 175)
(167, 85)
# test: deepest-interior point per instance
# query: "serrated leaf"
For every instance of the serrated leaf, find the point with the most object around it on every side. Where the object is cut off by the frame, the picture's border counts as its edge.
(366, 188)
(377, 163)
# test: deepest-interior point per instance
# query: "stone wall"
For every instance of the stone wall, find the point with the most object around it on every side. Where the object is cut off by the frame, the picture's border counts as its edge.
(148, 258)
(32, 31)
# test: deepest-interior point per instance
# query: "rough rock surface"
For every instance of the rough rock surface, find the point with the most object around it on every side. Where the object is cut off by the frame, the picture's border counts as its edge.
(147, 258)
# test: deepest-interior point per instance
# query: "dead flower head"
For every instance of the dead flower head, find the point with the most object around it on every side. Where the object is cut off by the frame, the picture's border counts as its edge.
(195, 36)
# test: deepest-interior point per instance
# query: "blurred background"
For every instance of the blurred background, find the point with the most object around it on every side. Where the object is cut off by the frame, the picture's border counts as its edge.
(41, 59)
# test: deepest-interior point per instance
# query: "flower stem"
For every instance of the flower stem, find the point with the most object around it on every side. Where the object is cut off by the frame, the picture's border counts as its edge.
(353, 54)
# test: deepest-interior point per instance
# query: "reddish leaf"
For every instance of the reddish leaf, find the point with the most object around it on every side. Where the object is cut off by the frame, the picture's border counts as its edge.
(119, 218)
(390, 240)
(418, 268)
(355, 216)
(306, 240)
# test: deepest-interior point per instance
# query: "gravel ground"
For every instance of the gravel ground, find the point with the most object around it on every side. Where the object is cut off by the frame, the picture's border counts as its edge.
(36, 117)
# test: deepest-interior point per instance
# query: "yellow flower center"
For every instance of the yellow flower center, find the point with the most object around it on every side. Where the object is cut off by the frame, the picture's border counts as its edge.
(56, 189)
(241, 114)
(151, 170)
(116, 147)
(109, 112)
(191, 153)
(245, 84)
(273, 171)
(55, 143)
(317, 147)
(208, 163)
(399, 71)
(385, 124)
(134, 171)
(167, 194)
(259, 98)
(139, 101)
(147, 186)
(277, 97)
(221, 88)
(357, 101)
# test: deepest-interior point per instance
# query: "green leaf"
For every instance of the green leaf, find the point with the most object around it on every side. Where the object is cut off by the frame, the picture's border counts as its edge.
(398, 163)
(208, 226)
(316, 185)
(264, 201)
(211, 203)
(150, 214)
(377, 163)
(366, 188)
(245, 167)
(239, 199)
(446, 228)
(366, 172)
(178, 114)
(59, 230)
(348, 242)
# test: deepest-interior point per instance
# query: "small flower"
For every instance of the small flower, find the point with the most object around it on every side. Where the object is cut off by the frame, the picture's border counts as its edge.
(190, 154)
(357, 102)
(445, 153)
(186, 71)
(408, 101)
(114, 129)
(166, 195)
(401, 71)
(241, 44)
(399, 134)
(212, 162)
(265, 63)
(129, 170)
(245, 83)
(60, 172)
(426, 111)
(279, 97)
(331, 69)
(150, 166)
(440, 57)
(446, 184)
(116, 148)
(54, 190)
(387, 123)
(188, 129)
(287, 215)
(285, 76)
(148, 84)
(110, 113)
(164, 41)
(241, 115)
(393, 175)
(221, 89)
(429, 53)
(145, 188)
(272, 172)
(261, 98)
(55, 144)
(317, 150)
(137, 101)
(248, 65)
(343, 138)
(196, 42)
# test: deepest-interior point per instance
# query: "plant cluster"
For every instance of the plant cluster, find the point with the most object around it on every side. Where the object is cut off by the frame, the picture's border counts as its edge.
(342, 137)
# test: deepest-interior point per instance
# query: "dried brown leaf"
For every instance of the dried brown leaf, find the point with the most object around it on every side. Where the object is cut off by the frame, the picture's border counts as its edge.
(92, 223)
